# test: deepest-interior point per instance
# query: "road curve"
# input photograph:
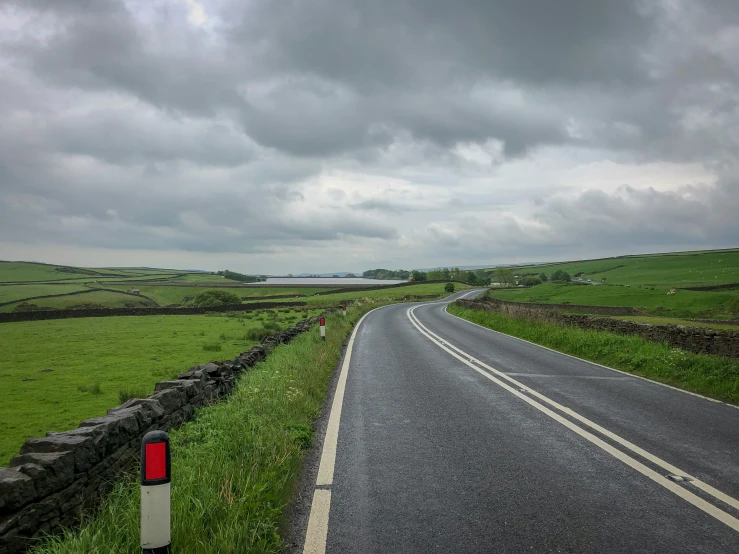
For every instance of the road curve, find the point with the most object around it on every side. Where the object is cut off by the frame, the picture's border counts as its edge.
(449, 437)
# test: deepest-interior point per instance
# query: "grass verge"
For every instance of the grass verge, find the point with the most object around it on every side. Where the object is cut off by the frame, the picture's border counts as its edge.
(234, 466)
(712, 376)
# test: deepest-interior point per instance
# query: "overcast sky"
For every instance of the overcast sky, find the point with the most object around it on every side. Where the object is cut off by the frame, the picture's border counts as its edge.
(326, 135)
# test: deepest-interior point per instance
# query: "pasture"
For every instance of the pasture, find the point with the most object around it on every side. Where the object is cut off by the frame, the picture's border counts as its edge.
(652, 300)
(56, 373)
(672, 270)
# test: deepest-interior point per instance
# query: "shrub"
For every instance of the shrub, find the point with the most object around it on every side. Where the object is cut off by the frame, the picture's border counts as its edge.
(561, 276)
(530, 281)
(214, 298)
(449, 287)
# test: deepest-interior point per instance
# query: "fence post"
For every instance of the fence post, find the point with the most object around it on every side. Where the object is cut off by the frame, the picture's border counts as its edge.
(156, 471)
(323, 328)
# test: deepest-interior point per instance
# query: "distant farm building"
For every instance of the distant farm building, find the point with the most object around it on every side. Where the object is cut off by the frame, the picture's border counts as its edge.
(134, 291)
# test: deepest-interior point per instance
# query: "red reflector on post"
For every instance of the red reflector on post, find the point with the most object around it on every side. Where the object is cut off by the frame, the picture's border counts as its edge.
(156, 461)
(323, 321)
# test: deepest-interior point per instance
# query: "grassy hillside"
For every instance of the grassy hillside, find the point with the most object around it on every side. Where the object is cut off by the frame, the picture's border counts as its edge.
(102, 298)
(669, 270)
(56, 373)
(17, 272)
(653, 300)
(9, 293)
(166, 295)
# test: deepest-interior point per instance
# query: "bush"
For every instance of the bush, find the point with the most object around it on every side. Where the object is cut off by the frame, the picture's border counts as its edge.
(543, 277)
(214, 298)
(449, 287)
(561, 276)
(530, 281)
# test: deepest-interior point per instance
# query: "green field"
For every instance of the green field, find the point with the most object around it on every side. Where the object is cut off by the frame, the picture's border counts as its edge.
(652, 300)
(166, 295)
(9, 293)
(389, 294)
(670, 270)
(17, 272)
(236, 463)
(111, 352)
(104, 298)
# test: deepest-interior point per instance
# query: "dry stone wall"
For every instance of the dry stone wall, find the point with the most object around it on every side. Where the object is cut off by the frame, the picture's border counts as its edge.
(606, 310)
(693, 339)
(53, 479)
(107, 312)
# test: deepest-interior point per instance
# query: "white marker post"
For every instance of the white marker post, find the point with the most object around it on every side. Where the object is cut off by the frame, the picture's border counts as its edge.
(323, 328)
(156, 470)
(344, 310)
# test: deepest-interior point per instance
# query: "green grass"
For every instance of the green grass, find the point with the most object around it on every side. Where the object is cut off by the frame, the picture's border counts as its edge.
(166, 295)
(26, 271)
(113, 352)
(711, 376)
(388, 294)
(235, 465)
(668, 270)
(103, 297)
(16, 292)
(674, 321)
(653, 300)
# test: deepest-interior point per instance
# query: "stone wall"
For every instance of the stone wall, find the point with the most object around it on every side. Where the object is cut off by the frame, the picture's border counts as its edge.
(54, 478)
(107, 312)
(606, 310)
(693, 339)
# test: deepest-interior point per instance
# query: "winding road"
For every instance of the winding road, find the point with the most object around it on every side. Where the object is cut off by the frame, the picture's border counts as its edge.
(444, 436)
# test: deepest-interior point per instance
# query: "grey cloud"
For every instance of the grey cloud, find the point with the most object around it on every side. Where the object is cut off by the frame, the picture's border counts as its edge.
(126, 126)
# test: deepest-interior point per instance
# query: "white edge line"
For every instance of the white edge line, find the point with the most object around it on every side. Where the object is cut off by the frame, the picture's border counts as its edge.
(686, 495)
(317, 532)
(595, 363)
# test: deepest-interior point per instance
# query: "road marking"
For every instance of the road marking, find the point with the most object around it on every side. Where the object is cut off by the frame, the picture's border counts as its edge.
(603, 377)
(686, 495)
(593, 363)
(315, 538)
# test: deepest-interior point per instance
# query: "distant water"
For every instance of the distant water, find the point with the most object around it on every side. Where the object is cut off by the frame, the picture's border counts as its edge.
(327, 281)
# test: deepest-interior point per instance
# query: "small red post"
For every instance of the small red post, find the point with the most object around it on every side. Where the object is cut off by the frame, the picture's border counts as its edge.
(156, 472)
(344, 310)
(323, 328)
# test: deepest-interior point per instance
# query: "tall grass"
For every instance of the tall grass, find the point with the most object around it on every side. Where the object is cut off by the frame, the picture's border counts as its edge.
(712, 376)
(233, 467)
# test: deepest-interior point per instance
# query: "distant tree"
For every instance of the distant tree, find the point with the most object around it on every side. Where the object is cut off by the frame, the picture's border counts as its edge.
(543, 277)
(561, 276)
(449, 287)
(418, 276)
(579, 274)
(213, 298)
(603, 280)
(234, 276)
(505, 276)
(471, 278)
(530, 281)
(386, 274)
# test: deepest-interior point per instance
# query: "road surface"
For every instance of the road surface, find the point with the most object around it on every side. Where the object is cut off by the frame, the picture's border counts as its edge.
(447, 437)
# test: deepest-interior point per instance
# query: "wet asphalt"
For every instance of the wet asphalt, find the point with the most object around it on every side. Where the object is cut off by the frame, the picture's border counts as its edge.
(435, 457)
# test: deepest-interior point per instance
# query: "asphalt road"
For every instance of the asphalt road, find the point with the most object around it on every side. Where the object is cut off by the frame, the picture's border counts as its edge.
(454, 438)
